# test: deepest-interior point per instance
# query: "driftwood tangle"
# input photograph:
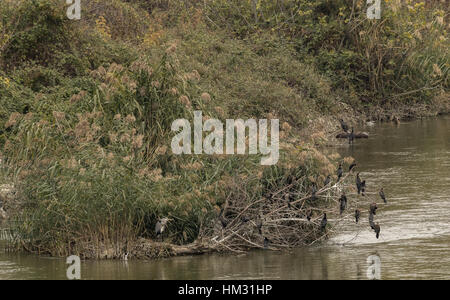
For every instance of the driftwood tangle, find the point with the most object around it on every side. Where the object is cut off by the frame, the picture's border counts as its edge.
(278, 221)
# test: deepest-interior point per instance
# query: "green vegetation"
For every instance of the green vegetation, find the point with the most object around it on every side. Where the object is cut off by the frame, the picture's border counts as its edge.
(402, 58)
(86, 106)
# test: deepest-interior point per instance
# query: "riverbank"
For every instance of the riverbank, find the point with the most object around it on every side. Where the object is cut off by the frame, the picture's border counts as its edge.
(145, 249)
(317, 137)
(85, 123)
(412, 245)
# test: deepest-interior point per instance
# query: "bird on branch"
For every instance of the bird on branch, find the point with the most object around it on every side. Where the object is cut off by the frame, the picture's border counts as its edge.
(340, 172)
(344, 125)
(357, 215)
(323, 224)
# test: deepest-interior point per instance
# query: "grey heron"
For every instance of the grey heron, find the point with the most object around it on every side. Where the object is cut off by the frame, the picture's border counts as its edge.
(160, 227)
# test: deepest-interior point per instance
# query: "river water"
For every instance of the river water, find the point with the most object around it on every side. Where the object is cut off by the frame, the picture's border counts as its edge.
(411, 161)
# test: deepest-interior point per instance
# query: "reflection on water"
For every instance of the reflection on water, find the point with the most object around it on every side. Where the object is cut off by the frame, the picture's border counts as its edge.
(411, 161)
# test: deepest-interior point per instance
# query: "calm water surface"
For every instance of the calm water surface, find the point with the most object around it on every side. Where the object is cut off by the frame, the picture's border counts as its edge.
(411, 161)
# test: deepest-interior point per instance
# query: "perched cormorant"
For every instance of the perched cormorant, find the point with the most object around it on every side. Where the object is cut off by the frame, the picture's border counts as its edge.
(382, 195)
(343, 201)
(351, 137)
(373, 208)
(344, 126)
(327, 181)
(371, 223)
(259, 225)
(358, 183)
(266, 243)
(363, 188)
(340, 172)
(222, 219)
(323, 224)
(377, 230)
(357, 215)
(313, 192)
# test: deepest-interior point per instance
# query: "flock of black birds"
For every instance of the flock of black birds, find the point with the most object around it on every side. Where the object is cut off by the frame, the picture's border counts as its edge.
(361, 188)
(343, 200)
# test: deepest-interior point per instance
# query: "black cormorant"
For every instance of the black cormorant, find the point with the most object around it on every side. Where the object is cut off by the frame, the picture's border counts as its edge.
(371, 223)
(382, 195)
(357, 215)
(340, 172)
(323, 224)
(313, 192)
(222, 219)
(363, 188)
(351, 137)
(259, 225)
(343, 202)
(344, 126)
(377, 230)
(358, 183)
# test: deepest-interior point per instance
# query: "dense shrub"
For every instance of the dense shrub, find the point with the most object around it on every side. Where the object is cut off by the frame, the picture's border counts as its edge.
(37, 30)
